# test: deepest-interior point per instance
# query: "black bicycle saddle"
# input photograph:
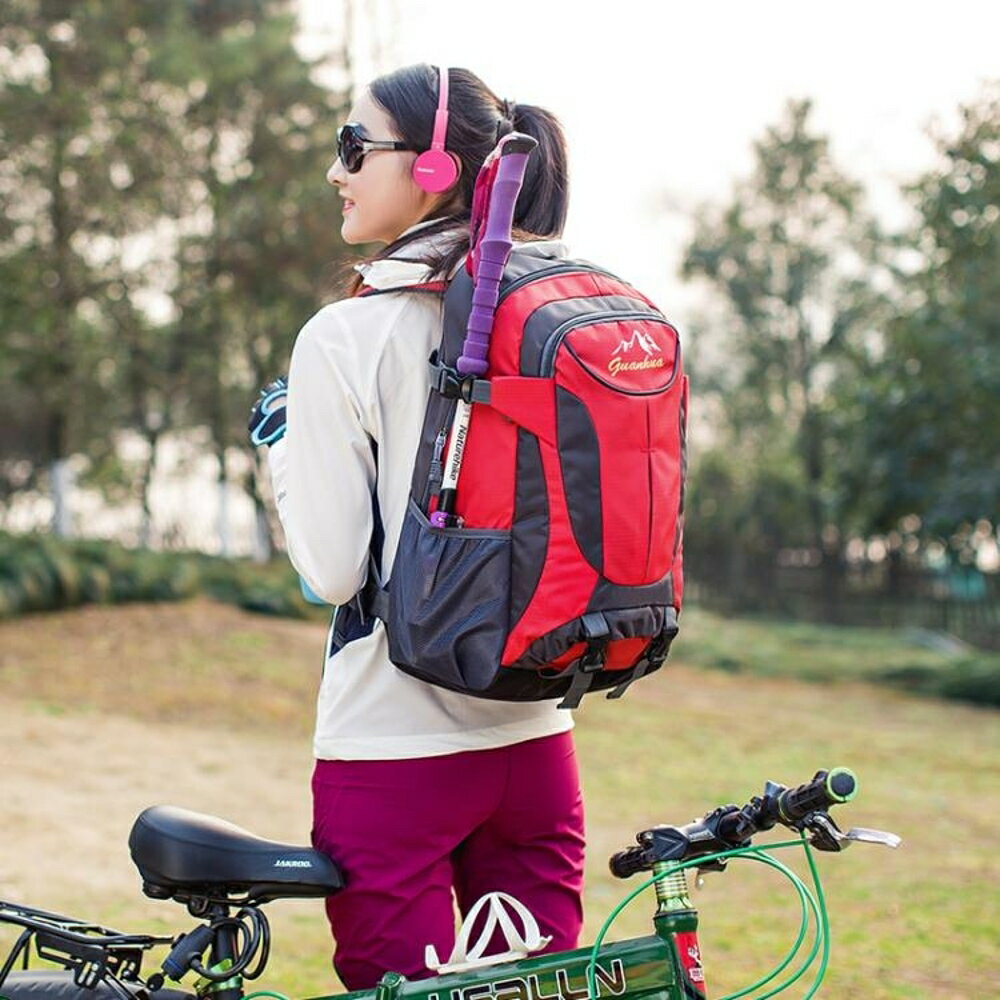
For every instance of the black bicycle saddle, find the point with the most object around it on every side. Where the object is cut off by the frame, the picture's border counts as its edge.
(183, 854)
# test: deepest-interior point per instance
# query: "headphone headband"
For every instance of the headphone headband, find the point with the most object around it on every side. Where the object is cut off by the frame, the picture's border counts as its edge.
(441, 115)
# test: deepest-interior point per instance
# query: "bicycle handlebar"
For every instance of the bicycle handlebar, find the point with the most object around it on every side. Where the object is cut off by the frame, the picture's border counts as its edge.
(790, 806)
(800, 808)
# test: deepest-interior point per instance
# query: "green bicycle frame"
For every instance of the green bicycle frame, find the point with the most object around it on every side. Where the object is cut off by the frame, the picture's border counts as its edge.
(665, 964)
(635, 968)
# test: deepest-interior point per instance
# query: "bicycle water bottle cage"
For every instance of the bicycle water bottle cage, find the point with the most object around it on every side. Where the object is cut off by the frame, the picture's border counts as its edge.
(520, 943)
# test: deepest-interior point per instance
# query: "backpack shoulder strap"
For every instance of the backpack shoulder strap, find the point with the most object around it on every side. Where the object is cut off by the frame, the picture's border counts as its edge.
(427, 287)
(356, 618)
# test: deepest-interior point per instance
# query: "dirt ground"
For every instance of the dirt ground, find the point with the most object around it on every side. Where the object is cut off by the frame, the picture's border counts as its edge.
(105, 711)
(73, 784)
(74, 776)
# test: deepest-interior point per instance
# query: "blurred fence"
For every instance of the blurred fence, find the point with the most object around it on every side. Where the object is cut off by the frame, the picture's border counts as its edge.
(961, 602)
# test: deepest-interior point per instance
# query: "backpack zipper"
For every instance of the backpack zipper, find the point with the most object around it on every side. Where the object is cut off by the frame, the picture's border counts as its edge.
(575, 268)
(546, 366)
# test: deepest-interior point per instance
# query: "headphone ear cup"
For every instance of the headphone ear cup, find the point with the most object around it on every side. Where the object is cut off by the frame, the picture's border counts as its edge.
(435, 170)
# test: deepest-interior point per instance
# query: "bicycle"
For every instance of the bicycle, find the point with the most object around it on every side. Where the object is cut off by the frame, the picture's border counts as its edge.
(224, 875)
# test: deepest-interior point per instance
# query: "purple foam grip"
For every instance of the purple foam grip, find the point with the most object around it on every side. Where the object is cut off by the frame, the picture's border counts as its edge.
(494, 249)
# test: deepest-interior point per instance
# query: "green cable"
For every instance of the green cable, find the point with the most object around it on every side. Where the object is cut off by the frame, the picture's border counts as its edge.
(821, 915)
(824, 919)
(642, 887)
(265, 993)
(807, 901)
(804, 923)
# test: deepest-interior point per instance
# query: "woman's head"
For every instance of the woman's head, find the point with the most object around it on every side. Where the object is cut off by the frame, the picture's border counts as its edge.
(382, 199)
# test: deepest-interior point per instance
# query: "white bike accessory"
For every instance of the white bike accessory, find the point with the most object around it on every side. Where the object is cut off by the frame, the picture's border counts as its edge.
(520, 943)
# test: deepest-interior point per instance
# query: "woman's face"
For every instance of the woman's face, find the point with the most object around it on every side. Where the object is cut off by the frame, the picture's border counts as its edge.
(380, 200)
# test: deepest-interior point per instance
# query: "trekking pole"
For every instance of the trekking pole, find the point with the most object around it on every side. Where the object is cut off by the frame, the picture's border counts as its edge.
(490, 253)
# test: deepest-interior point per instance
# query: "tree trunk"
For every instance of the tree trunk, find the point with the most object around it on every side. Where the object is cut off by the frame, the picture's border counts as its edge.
(222, 524)
(145, 489)
(62, 487)
(263, 545)
(60, 367)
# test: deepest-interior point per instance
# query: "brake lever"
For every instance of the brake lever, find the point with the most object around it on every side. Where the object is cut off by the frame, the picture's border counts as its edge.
(827, 836)
(863, 835)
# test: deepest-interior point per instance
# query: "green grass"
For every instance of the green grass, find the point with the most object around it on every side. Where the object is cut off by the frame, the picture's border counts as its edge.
(917, 923)
(803, 650)
(911, 659)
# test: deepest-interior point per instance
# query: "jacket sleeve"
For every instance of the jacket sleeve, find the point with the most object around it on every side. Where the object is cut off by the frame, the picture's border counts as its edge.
(323, 470)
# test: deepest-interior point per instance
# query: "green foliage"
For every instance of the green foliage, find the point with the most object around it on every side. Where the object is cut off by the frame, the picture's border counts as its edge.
(973, 679)
(42, 573)
(86, 154)
(930, 399)
(832, 654)
(258, 136)
(166, 227)
(792, 256)
(853, 382)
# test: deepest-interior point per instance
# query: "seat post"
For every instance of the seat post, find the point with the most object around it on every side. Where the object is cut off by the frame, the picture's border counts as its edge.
(223, 951)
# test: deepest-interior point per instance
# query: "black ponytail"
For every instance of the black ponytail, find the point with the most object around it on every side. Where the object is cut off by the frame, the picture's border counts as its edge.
(544, 198)
(477, 120)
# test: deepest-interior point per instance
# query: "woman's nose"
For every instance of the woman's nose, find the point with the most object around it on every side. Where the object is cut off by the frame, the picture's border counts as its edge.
(335, 174)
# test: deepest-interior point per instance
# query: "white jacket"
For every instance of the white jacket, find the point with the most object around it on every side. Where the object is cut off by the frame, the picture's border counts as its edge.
(359, 371)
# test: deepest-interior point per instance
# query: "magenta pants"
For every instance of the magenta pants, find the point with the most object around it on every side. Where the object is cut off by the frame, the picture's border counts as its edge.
(408, 834)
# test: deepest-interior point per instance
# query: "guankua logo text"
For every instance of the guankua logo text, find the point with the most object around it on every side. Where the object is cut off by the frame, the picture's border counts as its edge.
(638, 342)
(616, 365)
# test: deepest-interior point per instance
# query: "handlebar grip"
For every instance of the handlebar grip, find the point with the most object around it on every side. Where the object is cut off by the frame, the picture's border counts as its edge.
(827, 788)
(626, 863)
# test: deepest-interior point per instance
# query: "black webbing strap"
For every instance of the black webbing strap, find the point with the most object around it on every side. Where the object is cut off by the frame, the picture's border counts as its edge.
(653, 656)
(355, 619)
(377, 601)
(597, 635)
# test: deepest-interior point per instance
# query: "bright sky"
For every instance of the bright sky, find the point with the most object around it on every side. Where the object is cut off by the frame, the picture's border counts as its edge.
(661, 101)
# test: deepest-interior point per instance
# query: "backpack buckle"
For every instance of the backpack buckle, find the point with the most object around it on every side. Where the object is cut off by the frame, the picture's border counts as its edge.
(652, 659)
(594, 656)
(597, 636)
(453, 385)
(446, 380)
(657, 651)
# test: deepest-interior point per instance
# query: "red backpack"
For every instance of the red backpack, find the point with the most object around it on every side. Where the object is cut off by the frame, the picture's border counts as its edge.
(554, 566)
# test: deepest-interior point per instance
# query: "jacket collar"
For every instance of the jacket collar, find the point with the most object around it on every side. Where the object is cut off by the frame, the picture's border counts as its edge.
(399, 272)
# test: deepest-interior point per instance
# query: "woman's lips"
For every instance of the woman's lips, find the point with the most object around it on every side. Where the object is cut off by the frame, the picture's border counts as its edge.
(347, 206)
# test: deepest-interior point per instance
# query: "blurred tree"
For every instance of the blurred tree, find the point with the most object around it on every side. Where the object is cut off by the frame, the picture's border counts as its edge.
(83, 148)
(259, 233)
(166, 227)
(931, 397)
(794, 257)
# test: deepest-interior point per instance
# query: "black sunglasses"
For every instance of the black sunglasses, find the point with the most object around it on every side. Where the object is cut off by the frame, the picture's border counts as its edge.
(352, 146)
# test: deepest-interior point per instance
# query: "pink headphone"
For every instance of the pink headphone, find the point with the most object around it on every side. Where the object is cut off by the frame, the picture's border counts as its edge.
(436, 170)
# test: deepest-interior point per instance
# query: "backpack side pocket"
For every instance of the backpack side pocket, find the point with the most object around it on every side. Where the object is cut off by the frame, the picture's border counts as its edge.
(449, 598)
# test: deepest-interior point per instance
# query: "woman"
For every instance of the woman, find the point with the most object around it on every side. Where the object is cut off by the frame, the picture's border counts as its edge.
(419, 792)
